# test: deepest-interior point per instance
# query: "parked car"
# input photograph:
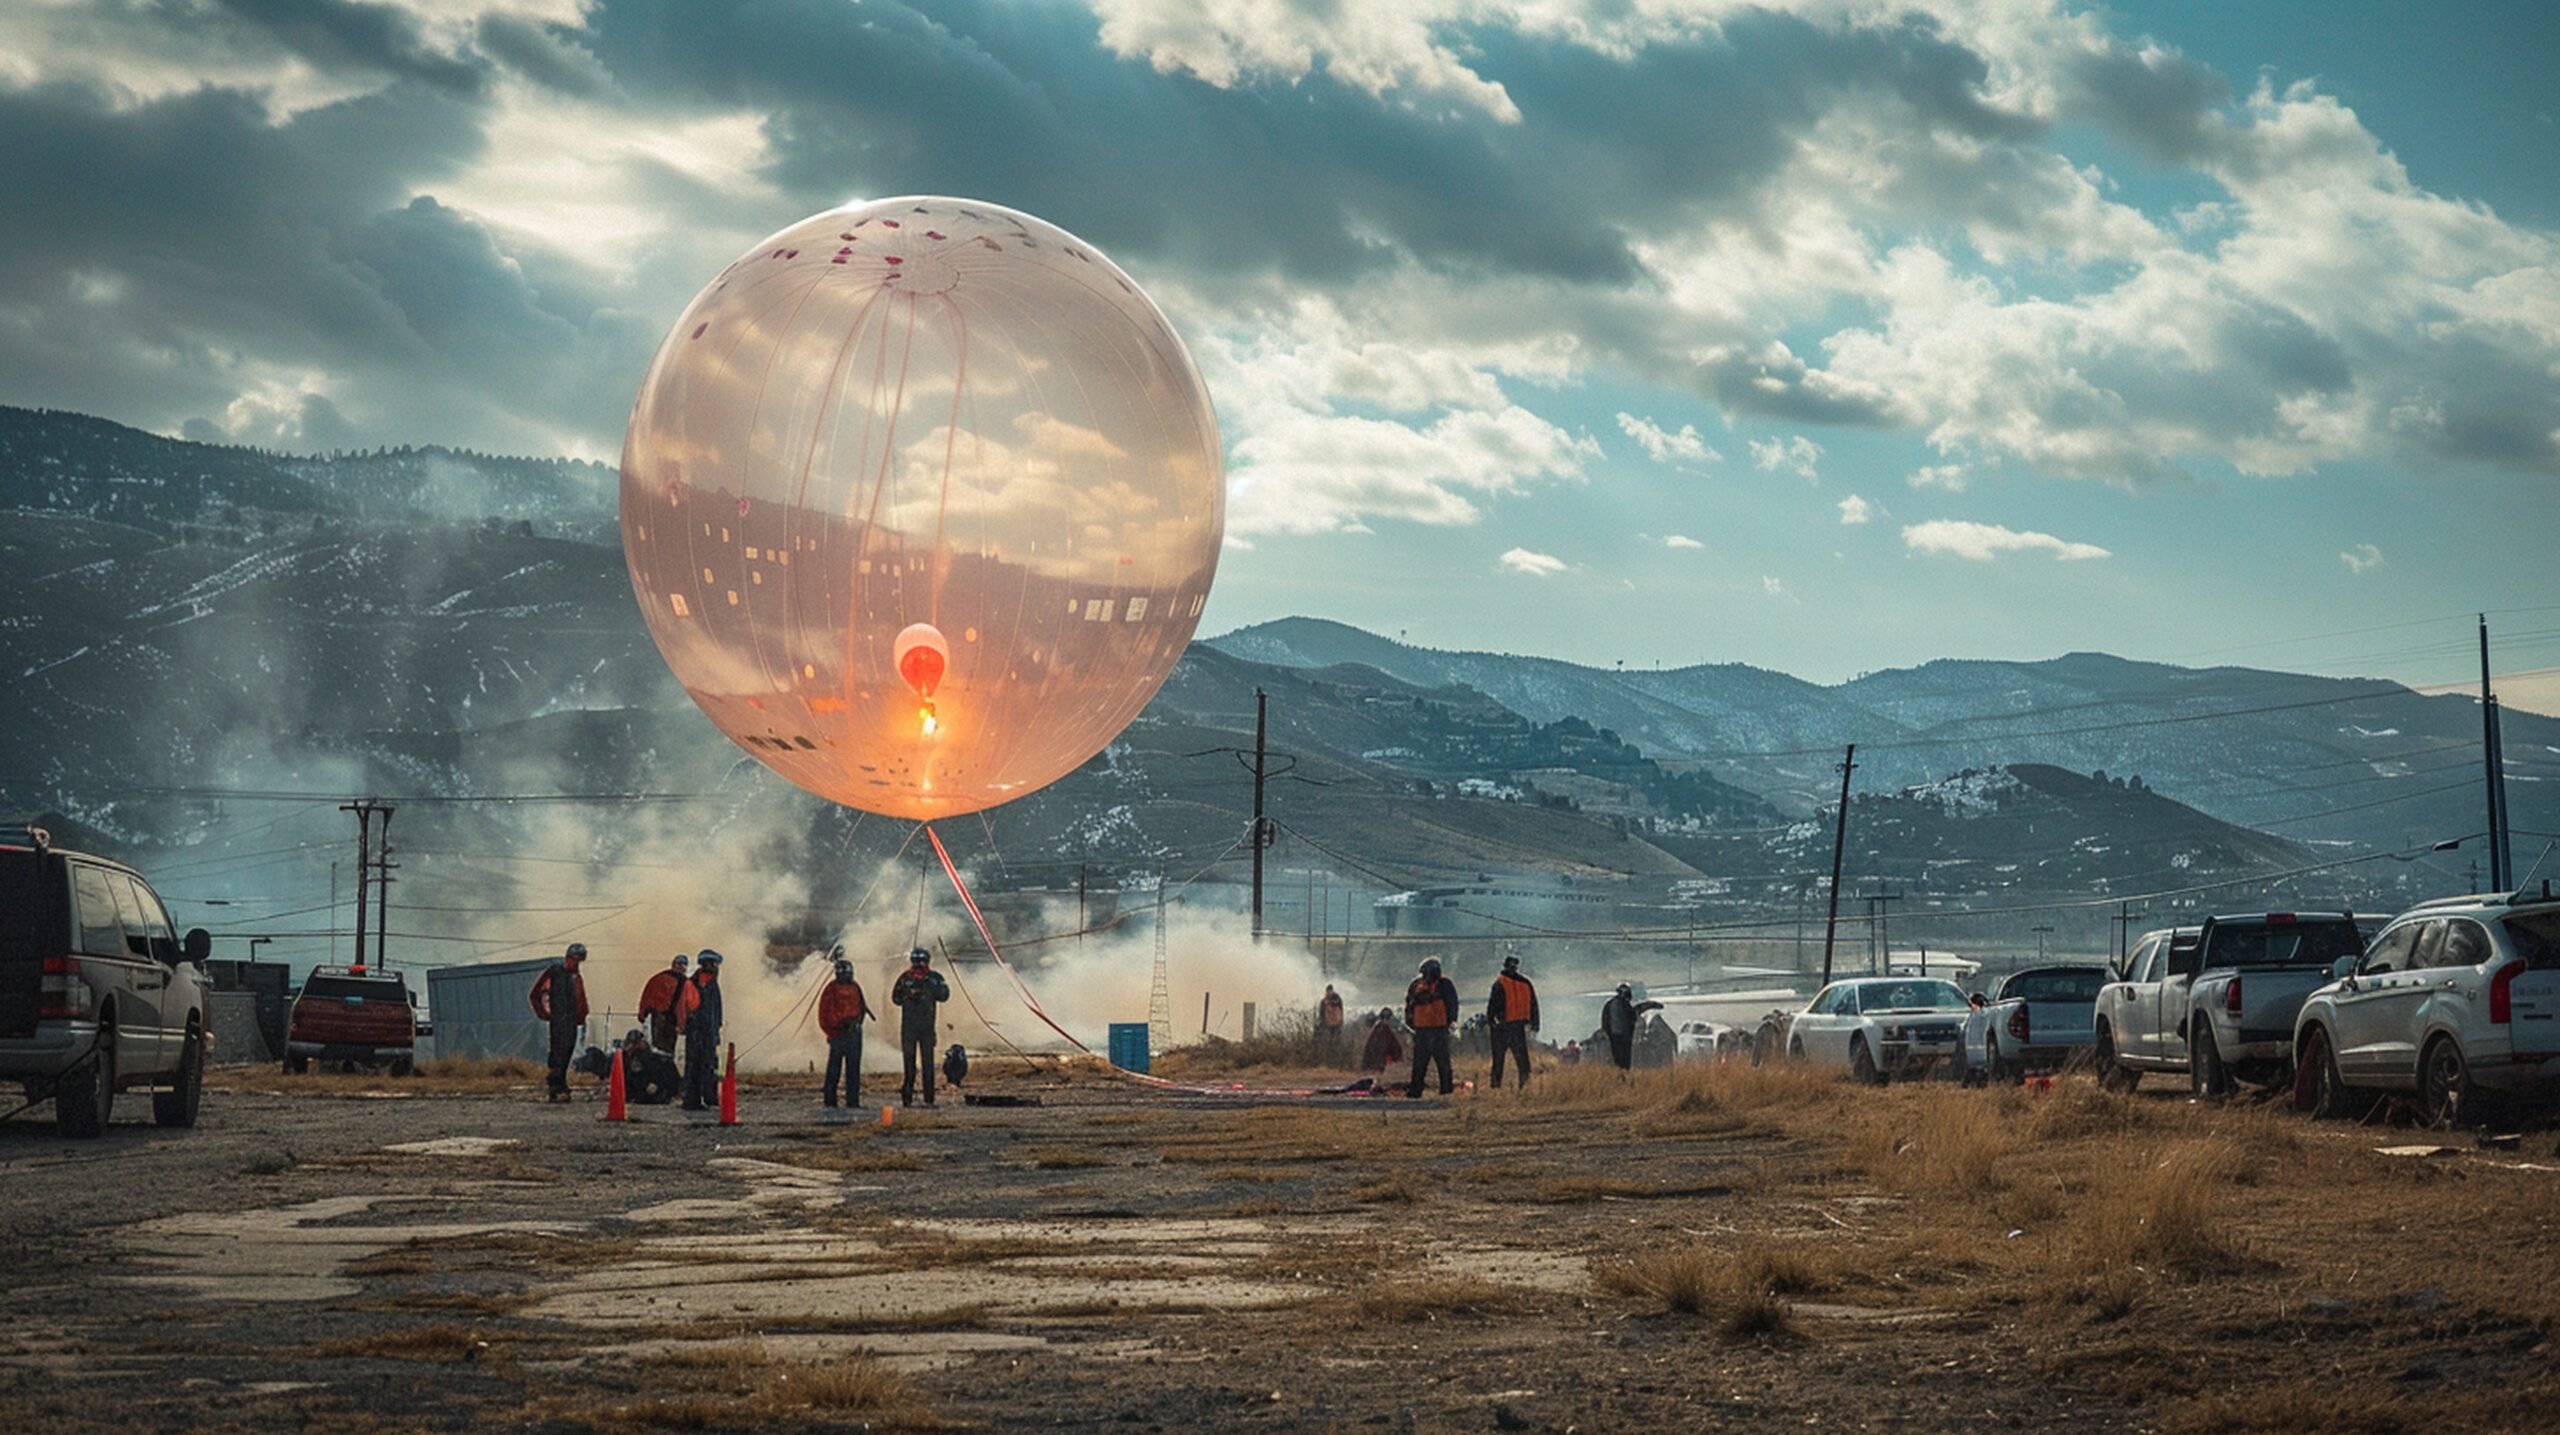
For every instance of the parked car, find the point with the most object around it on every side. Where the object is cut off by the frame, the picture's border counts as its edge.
(2036, 1020)
(358, 1015)
(1880, 1028)
(2253, 973)
(2455, 998)
(97, 993)
(1711, 1041)
(2140, 1015)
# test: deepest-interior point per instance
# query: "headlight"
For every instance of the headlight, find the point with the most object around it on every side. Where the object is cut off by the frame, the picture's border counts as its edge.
(1893, 1033)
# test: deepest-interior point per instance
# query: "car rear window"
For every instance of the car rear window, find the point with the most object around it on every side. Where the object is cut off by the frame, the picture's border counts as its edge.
(31, 906)
(355, 988)
(2537, 939)
(2072, 986)
(2283, 944)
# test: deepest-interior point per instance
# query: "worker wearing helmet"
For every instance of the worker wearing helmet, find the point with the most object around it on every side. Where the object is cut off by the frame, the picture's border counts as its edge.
(658, 1000)
(918, 990)
(700, 1020)
(841, 1013)
(1513, 1010)
(1431, 1009)
(559, 999)
(1619, 1017)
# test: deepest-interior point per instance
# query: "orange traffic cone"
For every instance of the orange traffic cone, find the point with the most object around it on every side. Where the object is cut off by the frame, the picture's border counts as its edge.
(614, 1109)
(729, 1089)
(888, 1117)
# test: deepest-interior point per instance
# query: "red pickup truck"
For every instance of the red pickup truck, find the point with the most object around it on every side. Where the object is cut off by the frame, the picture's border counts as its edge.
(359, 1015)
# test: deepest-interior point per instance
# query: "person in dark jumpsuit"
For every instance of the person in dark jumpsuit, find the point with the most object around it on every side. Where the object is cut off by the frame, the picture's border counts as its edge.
(559, 999)
(1431, 1009)
(1618, 1018)
(918, 990)
(1513, 1008)
(701, 1022)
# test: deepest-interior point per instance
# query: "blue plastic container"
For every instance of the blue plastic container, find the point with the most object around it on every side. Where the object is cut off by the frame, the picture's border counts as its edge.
(1129, 1045)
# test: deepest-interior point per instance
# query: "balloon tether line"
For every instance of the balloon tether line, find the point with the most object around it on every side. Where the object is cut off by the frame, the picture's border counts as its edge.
(979, 920)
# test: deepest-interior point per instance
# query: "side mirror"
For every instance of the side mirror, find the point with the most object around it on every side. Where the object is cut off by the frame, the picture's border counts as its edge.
(2343, 968)
(196, 945)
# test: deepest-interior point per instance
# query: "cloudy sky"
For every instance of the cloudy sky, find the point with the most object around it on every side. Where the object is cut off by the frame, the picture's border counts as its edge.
(1821, 334)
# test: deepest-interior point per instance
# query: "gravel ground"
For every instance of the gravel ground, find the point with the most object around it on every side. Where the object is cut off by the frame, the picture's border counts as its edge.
(1118, 1258)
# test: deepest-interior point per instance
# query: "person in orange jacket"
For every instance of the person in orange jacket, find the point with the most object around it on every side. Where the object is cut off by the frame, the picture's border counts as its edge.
(1513, 1008)
(559, 998)
(698, 1016)
(841, 1013)
(1431, 1009)
(658, 1000)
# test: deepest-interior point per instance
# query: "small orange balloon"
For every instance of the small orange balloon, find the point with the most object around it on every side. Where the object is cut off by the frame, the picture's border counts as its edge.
(904, 419)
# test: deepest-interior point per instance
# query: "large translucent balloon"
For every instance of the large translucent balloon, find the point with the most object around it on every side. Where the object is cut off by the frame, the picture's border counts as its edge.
(922, 499)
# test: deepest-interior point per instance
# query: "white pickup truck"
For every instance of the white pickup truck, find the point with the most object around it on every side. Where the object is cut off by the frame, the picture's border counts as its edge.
(2255, 971)
(2037, 1020)
(2217, 1001)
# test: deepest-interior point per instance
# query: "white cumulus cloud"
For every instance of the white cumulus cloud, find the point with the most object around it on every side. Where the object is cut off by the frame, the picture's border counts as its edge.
(1799, 455)
(1664, 446)
(1777, 589)
(2361, 559)
(1952, 477)
(1681, 540)
(1982, 542)
(1855, 510)
(1534, 565)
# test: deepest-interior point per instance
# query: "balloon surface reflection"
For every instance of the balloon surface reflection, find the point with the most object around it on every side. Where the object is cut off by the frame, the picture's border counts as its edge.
(921, 499)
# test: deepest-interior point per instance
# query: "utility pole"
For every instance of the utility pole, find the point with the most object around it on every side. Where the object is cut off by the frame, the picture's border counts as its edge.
(2124, 919)
(2040, 936)
(333, 919)
(1261, 825)
(1839, 839)
(383, 867)
(1879, 931)
(2489, 758)
(364, 868)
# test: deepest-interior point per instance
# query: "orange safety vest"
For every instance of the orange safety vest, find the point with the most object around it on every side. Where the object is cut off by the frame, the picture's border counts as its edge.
(1518, 1000)
(1428, 1007)
(841, 1002)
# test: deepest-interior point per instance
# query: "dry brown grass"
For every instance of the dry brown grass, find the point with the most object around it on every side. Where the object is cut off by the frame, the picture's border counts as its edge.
(1427, 1298)
(433, 1344)
(1287, 1133)
(1062, 1158)
(2160, 1215)
(756, 1392)
(1398, 1187)
(1741, 1286)
(445, 1076)
(1573, 1190)
(1930, 1139)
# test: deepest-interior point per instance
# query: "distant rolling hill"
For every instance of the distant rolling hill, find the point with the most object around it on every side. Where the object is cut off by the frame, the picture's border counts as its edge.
(187, 619)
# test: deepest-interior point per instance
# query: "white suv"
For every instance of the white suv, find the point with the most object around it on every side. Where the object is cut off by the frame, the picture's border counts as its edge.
(2455, 997)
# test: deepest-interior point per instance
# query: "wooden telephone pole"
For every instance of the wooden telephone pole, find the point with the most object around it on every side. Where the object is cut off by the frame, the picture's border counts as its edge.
(1839, 840)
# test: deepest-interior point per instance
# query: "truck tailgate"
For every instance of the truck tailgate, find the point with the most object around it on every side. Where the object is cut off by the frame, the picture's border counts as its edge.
(2271, 997)
(2061, 1023)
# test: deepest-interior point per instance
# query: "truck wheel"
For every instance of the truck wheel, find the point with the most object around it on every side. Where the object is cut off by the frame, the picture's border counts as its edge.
(85, 1096)
(177, 1105)
(2114, 1075)
(296, 1065)
(2444, 1083)
(1862, 1064)
(404, 1066)
(2205, 1074)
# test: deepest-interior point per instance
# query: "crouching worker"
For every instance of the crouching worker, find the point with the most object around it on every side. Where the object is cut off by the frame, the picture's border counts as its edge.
(841, 1013)
(559, 999)
(1382, 1049)
(1431, 1009)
